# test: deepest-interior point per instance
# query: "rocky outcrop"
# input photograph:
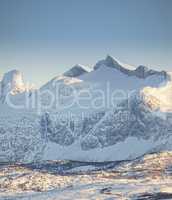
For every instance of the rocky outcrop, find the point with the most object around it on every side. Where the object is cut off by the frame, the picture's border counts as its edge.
(12, 83)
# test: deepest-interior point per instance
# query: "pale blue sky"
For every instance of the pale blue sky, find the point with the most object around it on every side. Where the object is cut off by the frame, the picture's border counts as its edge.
(43, 38)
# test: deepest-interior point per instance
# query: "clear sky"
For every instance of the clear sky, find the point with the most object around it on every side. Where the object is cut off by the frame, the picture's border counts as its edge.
(43, 38)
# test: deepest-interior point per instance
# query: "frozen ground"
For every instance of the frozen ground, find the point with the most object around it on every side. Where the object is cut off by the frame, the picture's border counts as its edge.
(148, 177)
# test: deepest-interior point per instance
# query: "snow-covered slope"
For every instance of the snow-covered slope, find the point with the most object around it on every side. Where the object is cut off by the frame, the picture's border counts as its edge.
(130, 130)
(119, 80)
(68, 79)
(66, 122)
(126, 132)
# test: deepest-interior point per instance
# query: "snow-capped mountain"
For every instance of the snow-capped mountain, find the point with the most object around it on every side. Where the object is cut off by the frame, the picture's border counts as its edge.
(77, 70)
(109, 77)
(140, 72)
(12, 83)
(115, 73)
(69, 77)
(76, 120)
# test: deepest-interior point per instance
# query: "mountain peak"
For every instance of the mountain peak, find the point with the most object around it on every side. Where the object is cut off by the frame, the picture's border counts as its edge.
(109, 61)
(77, 70)
(112, 62)
(12, 82)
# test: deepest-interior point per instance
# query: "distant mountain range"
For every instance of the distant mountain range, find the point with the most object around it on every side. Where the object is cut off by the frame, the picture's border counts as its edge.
(110, 112)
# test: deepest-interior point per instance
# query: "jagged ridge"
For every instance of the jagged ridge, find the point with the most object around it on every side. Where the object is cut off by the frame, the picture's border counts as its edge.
(140, 72)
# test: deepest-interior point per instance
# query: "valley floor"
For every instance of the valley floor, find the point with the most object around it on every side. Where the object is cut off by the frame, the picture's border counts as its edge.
(148, 177)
